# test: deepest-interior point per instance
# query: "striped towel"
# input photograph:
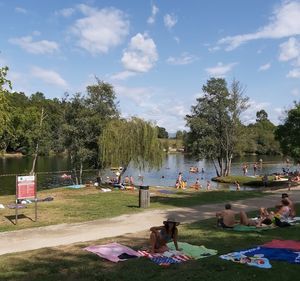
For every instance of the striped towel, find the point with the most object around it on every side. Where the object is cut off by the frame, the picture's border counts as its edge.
(161, 259)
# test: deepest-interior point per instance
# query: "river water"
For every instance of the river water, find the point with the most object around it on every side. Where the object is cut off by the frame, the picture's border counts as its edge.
(165, 176)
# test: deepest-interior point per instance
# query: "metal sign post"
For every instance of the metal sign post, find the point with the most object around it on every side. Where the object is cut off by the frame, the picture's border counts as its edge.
(26, 189)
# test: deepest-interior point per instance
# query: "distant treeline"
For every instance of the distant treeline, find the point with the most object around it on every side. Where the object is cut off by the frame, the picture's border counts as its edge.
(255, 138)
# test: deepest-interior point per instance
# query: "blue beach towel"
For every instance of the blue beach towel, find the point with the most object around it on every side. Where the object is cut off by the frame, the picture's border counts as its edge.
(275, 254)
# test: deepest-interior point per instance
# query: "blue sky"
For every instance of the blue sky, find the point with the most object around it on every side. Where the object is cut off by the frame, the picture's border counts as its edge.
(157, 54)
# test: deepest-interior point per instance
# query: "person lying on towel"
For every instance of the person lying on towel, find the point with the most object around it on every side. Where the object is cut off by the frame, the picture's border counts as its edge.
(161, 235)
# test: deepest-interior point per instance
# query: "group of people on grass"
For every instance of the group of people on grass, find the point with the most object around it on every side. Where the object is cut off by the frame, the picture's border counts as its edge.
(280, 217)
(161, 235)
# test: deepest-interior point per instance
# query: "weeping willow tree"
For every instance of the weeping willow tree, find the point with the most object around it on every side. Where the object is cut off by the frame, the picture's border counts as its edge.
(132, 141)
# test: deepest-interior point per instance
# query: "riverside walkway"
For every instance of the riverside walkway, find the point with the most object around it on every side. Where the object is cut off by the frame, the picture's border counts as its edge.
(64, 234)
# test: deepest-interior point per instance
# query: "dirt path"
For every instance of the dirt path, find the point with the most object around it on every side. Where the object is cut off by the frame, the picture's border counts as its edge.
(64, 234)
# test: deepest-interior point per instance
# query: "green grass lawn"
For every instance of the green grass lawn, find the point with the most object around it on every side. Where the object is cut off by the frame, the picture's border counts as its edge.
(73, 263)
(251, 181)
(77, 205)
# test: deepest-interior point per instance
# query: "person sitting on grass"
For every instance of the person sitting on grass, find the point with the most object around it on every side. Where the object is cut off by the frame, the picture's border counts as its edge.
(226, 218)
(161, 235)
(283, 213)
(291, 204)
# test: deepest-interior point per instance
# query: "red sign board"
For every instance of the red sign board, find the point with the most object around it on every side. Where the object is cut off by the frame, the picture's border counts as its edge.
(26, 187)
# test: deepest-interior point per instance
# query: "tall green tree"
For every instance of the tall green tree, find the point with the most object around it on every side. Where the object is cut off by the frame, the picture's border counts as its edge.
(162, 132)
(5, 86)
(85, 117)
(288, 133)
(215, 123)
(132, 141)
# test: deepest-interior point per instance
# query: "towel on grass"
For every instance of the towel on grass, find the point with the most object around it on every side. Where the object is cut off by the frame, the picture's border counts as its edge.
(276, 254)
(256, 261)
(245, 228)
(196, 252)
(166, 258)
(283, 244)
(114, 252)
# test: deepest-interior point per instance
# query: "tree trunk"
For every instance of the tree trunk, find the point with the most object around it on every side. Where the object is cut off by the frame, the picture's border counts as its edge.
(216, 168)
(80, 173)
(37, 144)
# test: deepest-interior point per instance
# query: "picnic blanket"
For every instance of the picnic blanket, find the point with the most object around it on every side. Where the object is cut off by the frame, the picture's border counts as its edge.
(256, 261)
(277, 254)
(75, 186)
(283, 244)
(114, 252)
(259, 256)
(196, 252)
(166, 258)
(245, 228)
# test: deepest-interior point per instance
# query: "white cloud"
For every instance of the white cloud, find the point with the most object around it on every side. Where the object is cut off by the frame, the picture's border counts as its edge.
(294, 73)
(152, 105)
(65, 12)
(264, 67)
(141, 54)
(290, 50)
(100, 30)
(220, 69)
(138, 95)
(21, 10)
(284, 22)
(37, 47)
(214, 49)
(185, 58)
(296, 92)
(177, 39)
(170, 21)
(48, 76)
(249, 115)
(154, 11)
(123, 75)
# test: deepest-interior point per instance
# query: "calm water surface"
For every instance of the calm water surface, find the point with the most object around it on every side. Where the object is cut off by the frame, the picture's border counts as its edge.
(165, 176)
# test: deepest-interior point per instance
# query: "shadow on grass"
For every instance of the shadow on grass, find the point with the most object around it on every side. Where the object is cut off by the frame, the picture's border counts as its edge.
(12, 218)
(73, 263)
(191, 199)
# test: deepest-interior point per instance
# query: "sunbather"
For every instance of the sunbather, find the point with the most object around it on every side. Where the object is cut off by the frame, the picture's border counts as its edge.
(161, 235)
(226, 218)
(264, 220)
(291, 204)
(283, 213)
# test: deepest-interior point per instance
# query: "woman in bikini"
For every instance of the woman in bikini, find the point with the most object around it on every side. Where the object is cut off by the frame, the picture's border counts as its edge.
(161, 235)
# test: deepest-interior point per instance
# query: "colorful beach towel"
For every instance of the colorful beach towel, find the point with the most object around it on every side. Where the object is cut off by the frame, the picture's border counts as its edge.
(194, 251)
(166, 258)
(114, 252)
(256, 261)
(283, 244)
(276, 254)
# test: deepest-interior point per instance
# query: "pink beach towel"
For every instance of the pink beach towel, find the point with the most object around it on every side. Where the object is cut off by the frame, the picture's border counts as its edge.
(112, 251)
(283, 244)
